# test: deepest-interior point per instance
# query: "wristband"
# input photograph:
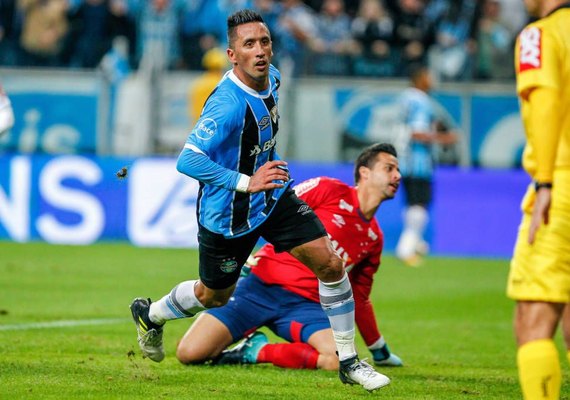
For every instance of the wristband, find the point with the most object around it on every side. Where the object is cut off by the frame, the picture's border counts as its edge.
(540, 185)
(243, 183)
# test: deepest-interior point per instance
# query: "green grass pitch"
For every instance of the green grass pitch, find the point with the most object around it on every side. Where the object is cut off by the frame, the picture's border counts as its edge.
(449, 321)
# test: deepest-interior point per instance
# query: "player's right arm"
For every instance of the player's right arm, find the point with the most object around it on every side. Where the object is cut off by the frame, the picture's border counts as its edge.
(219, 120)
(419, 121)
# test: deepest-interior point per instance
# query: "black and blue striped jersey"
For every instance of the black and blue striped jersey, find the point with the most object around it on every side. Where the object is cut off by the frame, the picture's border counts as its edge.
(234, 136)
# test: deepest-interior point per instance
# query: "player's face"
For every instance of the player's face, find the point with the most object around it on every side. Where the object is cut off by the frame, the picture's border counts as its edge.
(251, 54)
(385, 175)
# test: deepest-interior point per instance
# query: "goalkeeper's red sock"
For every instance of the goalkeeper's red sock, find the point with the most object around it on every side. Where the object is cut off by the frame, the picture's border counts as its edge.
(289, 355)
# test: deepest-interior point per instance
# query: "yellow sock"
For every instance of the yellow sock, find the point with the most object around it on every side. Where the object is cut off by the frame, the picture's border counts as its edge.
(539, 370)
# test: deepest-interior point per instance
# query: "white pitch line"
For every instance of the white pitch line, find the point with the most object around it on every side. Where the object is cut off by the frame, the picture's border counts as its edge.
(63, 324)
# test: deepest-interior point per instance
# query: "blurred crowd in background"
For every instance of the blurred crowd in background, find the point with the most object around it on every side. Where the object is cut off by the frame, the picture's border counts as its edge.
(461, 40)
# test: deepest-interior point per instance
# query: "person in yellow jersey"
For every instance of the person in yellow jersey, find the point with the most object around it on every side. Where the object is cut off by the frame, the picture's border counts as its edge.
(539, 278)
(215, 64)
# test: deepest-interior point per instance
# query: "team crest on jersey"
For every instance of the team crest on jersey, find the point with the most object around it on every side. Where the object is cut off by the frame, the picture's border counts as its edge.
(274, 114)
(228, 266)
(205, 129)
(530, 56)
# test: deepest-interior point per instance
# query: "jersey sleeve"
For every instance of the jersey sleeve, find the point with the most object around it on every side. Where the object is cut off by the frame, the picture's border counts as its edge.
(361, 278)
(416, 115)
(198, 166)
(536, 60)
(313, 191)
(222, 116)
(219, 119)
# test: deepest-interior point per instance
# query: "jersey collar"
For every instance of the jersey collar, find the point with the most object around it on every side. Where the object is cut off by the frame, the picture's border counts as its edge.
(356, 203)
(262, 95)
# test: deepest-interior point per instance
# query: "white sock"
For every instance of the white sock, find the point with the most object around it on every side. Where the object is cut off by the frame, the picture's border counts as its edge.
(415, 221)
(181, 302)
(338, 304)
(378, 344)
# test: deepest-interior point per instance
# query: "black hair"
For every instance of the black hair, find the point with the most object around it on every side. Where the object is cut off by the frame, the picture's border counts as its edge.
(367, 157)
(239, 18)
(415, 70)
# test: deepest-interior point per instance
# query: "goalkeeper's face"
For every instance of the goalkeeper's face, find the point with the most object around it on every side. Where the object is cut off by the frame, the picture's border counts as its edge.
(251, 53)
(383, 178)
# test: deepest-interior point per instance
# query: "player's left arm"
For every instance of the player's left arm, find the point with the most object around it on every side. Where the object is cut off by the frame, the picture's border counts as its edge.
(361, 278)
(539, 84)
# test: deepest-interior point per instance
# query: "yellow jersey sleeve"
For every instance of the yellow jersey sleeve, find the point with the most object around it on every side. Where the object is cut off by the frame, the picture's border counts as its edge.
(536, 59)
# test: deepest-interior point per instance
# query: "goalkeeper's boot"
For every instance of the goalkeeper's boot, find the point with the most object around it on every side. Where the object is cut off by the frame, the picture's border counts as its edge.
(244, 353)
(392, 361)
(383, 357)
(149, 333)
(353, 371)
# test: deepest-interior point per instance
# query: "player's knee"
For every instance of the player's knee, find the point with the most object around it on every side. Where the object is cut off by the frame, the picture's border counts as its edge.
(332, 269)
(215, 301)
(187, 354)
(328, 362)
(211, 298)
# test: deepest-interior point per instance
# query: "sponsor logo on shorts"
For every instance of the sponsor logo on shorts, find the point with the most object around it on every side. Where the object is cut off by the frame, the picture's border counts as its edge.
(530, 49)
(228, 266)
(206, 129)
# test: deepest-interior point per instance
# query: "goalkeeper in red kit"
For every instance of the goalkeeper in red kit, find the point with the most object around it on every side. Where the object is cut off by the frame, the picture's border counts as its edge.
(282, 294)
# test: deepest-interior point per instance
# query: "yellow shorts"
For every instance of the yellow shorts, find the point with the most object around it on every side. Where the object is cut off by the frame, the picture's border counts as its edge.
(541, 271)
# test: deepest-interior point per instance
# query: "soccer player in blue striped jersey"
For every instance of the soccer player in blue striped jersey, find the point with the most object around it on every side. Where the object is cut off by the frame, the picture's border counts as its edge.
(244, 195)
(419, 119)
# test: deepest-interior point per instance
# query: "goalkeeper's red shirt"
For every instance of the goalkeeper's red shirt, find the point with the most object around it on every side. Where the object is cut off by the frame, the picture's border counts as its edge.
(358, 242)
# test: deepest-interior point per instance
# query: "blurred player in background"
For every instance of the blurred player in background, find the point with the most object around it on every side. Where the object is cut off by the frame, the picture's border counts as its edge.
(283, 294)
(416, 162)
(215, 63)
(244, 195)
(6, 112)
(539, 279)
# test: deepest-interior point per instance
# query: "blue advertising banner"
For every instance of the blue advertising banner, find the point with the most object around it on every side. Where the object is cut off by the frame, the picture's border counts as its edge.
(80, 200)
(490, 122)
(59, 115)
(497, 133)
